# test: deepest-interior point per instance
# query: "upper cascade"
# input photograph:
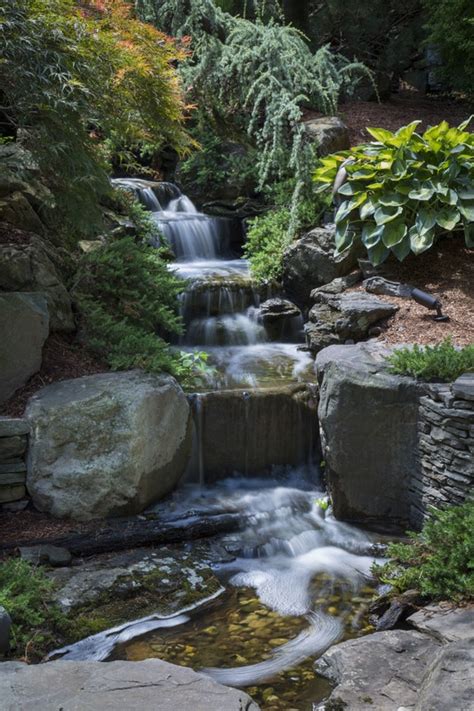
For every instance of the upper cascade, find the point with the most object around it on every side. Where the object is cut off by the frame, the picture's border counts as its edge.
(191, 235)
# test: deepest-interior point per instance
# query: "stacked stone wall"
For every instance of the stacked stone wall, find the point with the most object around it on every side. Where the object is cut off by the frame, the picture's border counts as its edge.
(445, 446)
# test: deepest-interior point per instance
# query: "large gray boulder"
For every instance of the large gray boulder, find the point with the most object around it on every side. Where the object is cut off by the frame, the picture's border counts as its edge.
(368, 418)
(381, 672)
(336, 318)
(30, 264)
(310, 262)
(151, 685)
(5, 627)
(329, 133)
(24, 327)
(107, 444)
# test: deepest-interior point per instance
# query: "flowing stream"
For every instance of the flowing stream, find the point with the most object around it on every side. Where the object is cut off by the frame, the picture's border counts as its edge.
(298, 580)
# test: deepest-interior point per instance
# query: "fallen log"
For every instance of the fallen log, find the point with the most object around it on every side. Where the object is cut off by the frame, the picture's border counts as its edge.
(136, 532)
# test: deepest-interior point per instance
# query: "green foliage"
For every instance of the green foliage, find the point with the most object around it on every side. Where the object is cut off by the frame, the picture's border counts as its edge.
(439, 561)
(128, 300)
(79, 80)
(440, 362)
(270, 234)
(385, 34)
(451, 28)
(403, 190)
(25, 592)
(219, 165)
(256, 77)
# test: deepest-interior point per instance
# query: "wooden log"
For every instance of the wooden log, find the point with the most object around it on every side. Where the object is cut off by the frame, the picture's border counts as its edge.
(135, 532)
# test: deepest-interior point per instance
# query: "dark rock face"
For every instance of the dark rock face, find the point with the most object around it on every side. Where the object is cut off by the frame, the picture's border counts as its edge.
(310, 262)
(282, 319)
(24, 325)
(335, 319)
(5, 627)
(31, 266)
(368, 419)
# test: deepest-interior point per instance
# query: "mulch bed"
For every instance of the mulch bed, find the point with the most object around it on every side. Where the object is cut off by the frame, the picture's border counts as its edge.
(399, 110)
(28, 525)
(63, 358)
(447, 272)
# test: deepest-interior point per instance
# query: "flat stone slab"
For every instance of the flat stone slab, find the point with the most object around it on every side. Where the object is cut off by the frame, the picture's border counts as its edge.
(444, 622)
(449, 683)
(97, 686)
(12, 426)
(463, 387)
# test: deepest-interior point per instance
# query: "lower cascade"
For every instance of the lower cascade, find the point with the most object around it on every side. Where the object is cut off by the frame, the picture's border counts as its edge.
(296, 580)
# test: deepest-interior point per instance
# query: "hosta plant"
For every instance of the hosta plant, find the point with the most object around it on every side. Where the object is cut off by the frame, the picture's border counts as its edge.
(403, 190)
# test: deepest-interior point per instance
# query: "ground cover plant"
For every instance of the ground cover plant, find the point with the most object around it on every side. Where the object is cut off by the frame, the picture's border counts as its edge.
(442, 361)
(403, 190)
(439, 561)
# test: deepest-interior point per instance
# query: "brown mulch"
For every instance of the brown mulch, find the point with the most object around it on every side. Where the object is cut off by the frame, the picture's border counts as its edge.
(399, 110)
(28, 525)
(63, 358)
(446, 272)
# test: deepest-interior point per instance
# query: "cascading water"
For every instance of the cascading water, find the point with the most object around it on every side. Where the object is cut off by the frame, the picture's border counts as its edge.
(309, 573)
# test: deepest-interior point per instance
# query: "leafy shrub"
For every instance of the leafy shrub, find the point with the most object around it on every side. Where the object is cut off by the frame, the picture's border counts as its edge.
(451, 27)
(439, 561)
(128, 299)
(403, 189)
(79, 80)
(256, 77)
(270, 234)
(25, 592)
(440, 362)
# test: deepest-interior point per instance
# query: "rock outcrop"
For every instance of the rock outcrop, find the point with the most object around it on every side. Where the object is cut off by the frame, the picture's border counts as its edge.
(329, 133)
(29, 264)
(337, 318)
(95, 686)
(368, 419)
(282, 319)
(24, 327)
(107, 444)
(310, 262)
(415, 670)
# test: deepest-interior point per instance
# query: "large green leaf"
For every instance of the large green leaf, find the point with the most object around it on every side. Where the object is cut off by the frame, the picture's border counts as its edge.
(386, 214)
(402, 249)
(343, 236)
(451, 198)
(392, 199)
(422, 193)
(406, 132)
(466, 208)
(393, 232)
(367, 209)
(378, 254)
(466, 193)
(342, 212)
(381, 134)
(425, 220)
(448, 218)
(371, 234)
(420, 241)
